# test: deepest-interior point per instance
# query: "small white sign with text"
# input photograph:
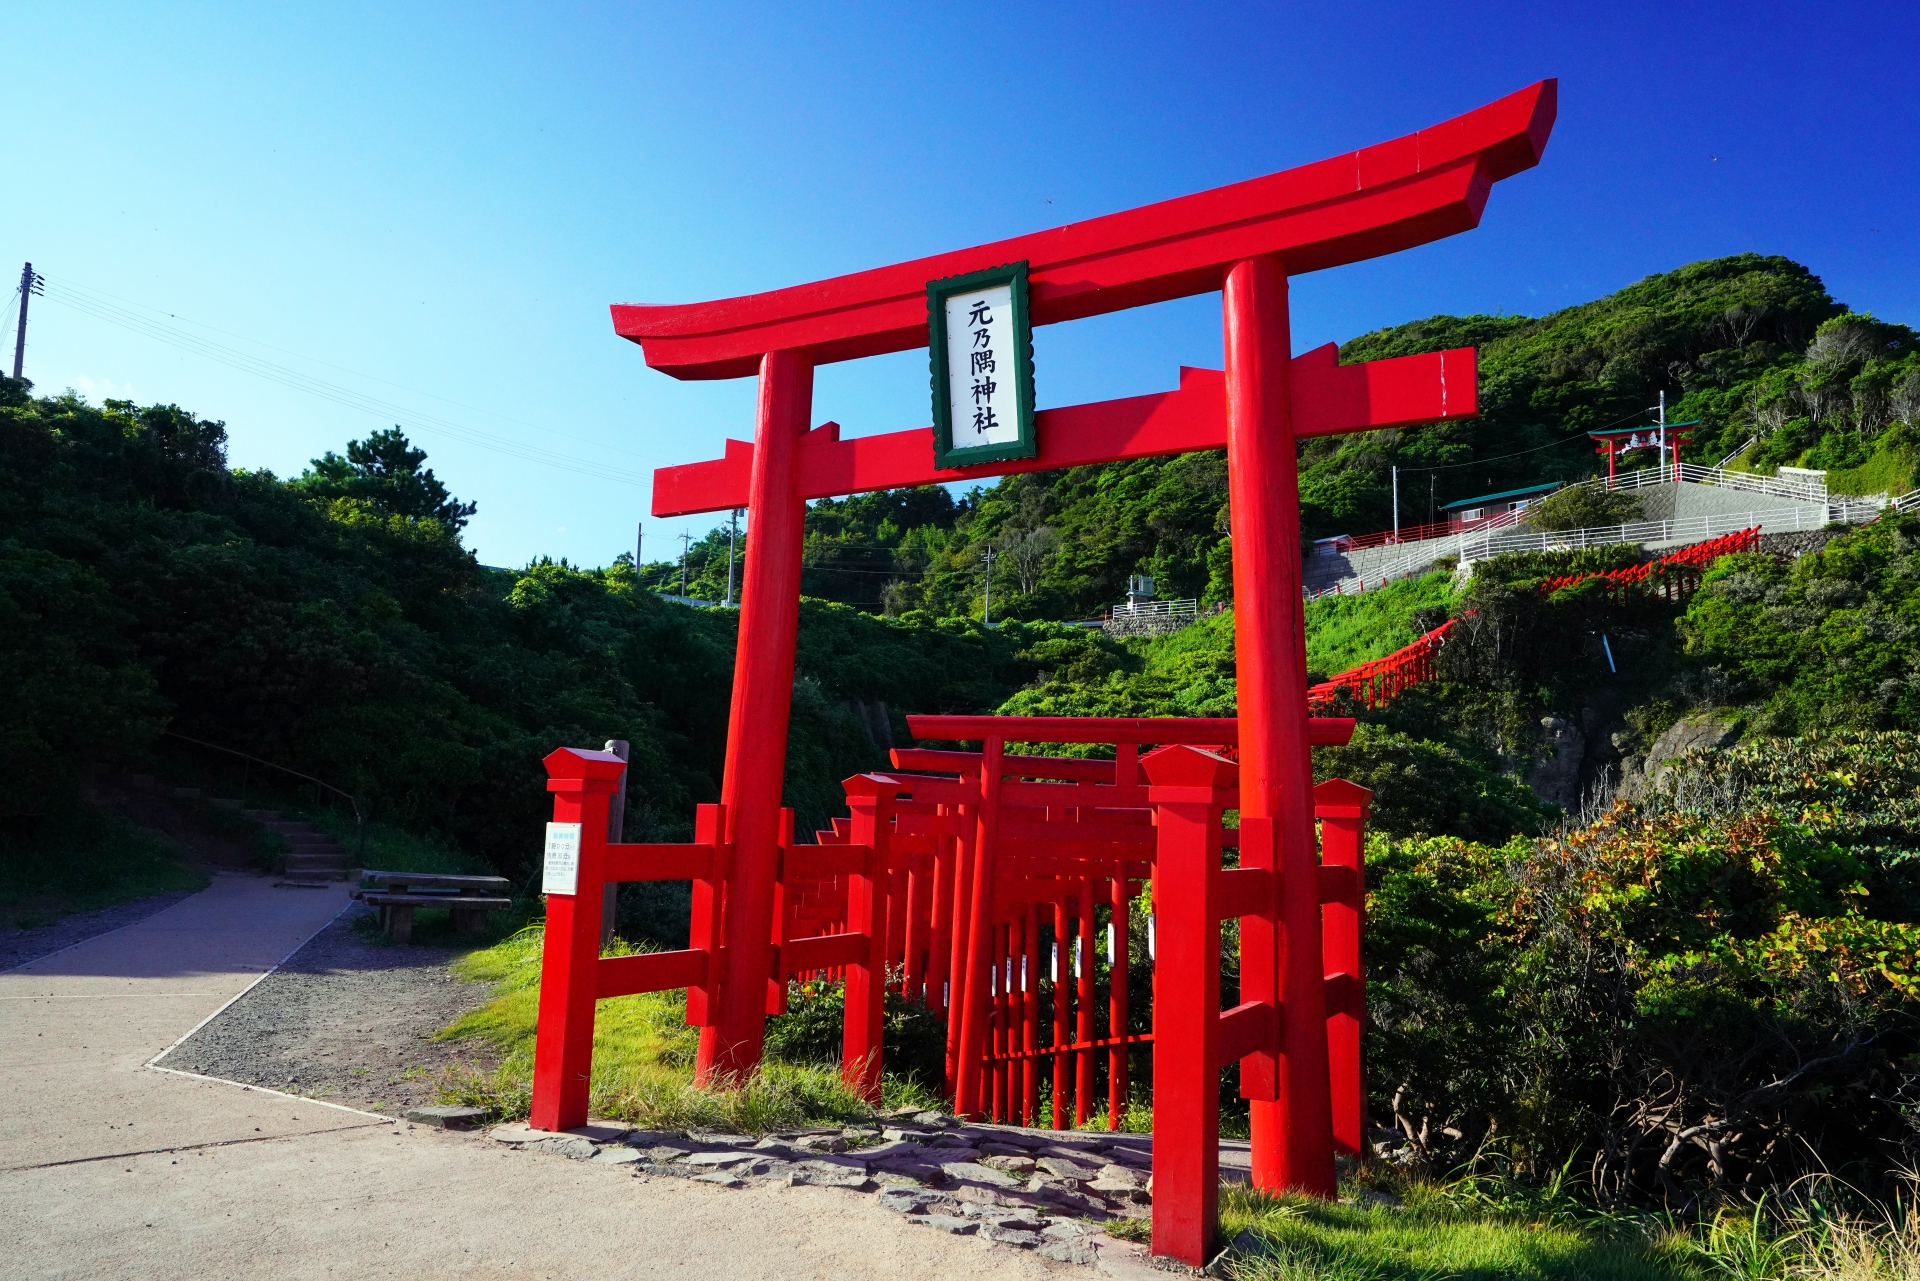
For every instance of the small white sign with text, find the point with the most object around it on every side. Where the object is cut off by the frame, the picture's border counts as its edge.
(982, 378)
(561, 872)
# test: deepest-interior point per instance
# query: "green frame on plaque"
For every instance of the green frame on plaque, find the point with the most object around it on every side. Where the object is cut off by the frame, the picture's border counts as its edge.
(1026, 445)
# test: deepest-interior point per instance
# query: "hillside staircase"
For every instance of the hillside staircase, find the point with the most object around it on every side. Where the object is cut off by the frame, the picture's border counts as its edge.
(314, 858)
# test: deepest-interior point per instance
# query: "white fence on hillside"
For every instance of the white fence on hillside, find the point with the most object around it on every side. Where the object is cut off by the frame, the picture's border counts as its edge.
(1800, 491)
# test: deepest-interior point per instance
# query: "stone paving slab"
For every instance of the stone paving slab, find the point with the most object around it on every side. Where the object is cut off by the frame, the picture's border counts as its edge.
(1038, 1193)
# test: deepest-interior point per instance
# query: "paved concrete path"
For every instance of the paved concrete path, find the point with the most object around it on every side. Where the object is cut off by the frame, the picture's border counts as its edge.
(112, 1169)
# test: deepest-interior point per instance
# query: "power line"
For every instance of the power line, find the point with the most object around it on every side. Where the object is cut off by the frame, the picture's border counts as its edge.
(1571, 440)
(334, 392)
(98, 296)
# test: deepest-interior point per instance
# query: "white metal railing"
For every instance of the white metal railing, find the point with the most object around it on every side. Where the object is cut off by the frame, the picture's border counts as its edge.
(1800, 491)
(1481, 544)
(1188, 609)
(1815, 508)
(1691, 528)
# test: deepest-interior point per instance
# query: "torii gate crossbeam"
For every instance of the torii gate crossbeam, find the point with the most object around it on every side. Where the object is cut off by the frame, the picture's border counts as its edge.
(1244, 240)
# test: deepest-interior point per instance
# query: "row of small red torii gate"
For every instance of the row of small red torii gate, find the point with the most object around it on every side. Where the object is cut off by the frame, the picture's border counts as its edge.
(957, 866)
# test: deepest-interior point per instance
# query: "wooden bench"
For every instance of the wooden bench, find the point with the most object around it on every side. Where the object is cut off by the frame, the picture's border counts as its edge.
(469, 898)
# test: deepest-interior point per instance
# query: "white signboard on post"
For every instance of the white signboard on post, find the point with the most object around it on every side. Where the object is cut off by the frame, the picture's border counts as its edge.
(560, 874)
(982, 364)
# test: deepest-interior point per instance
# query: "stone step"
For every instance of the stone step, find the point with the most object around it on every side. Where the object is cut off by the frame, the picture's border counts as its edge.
(263, 816)
(316, 874)
(328, 858)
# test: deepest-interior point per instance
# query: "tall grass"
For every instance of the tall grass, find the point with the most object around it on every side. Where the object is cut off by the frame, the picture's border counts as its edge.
(1432, 1234)
(1346, 631)
(1889, 471)
(643, 1054)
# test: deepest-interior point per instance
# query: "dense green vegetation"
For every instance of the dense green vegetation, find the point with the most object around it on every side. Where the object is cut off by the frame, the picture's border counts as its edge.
(1754, 347)
(335, 624)
(1703, 994)
(95, 859)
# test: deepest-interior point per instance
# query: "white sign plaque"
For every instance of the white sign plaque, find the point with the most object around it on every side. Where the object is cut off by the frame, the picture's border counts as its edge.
(981, 344)
(981, 400)
(561, 872)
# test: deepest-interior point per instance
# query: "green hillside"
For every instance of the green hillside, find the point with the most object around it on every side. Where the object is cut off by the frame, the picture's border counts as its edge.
(1752, 346)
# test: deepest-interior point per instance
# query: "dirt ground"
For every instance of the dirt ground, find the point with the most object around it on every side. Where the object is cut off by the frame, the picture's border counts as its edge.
(346, 1020)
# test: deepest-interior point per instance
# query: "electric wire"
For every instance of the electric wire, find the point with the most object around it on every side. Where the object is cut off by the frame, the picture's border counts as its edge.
(334, 392)
(1571, 440)
(99, 295)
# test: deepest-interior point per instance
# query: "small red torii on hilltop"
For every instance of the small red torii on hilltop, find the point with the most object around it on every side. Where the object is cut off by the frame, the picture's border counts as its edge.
(1245, 240)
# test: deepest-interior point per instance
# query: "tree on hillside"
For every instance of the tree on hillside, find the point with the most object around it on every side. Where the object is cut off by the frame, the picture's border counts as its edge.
(384, 471)
(1583, 507)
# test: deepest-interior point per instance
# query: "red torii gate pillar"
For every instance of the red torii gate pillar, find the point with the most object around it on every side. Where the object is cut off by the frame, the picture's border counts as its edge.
(1244, 239)
(756, 760)
(1288, 1093)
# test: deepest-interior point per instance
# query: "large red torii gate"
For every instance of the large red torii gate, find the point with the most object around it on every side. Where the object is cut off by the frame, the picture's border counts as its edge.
(1245, 239)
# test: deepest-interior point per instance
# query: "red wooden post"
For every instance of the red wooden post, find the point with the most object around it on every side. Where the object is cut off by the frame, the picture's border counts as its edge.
(1062, 1007)
(866, 976)
(973, 1011)
(1083, 1025)
(1117, 1002)
(1292, 1141)
(1030, 1016)
(1342, 810)
(778, 935)
(757, 721)
(897, 891)
(704, 927)
(940, 937)
(1189, 790)
(1000, 1003)
(960, 936)
(582, 783)
(918, 919)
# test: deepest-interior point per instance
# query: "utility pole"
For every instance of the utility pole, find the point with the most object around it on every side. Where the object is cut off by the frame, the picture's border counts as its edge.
(733, 537)
(1663, 434)
(639, 541)
(685, 538)
(986, 617)
(1396, 503)
(31, 282)
(1431, 482)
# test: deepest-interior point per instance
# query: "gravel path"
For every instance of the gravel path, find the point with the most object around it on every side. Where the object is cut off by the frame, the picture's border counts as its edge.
(344, 1020)
(18, 947)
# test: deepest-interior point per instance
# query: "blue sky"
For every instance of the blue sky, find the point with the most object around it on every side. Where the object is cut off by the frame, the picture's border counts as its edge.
(423, 211)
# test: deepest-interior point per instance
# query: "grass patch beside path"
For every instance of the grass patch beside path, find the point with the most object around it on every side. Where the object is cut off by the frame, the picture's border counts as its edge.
(643, 1054)
(92, 858)
(1346, 631)
(1432, 1236)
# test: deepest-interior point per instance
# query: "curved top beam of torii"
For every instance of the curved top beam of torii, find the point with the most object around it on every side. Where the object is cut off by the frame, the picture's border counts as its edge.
(1363, 204)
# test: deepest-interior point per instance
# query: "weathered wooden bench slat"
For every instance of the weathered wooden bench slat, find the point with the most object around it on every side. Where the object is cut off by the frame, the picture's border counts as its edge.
(464, 902)
(437, 879)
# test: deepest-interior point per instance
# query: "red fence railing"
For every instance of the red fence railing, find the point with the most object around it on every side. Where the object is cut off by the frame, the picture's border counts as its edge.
(1672, 577)
(1380, 680)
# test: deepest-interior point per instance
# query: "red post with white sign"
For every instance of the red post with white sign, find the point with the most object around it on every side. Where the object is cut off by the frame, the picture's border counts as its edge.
(582, 783)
